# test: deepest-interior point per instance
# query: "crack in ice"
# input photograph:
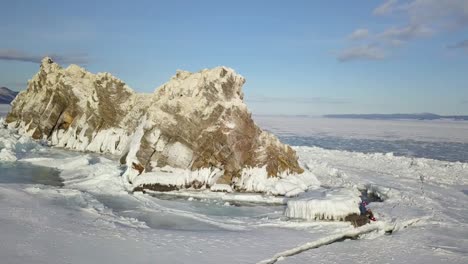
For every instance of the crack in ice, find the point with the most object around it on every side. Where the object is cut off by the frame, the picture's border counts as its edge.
(387, 228)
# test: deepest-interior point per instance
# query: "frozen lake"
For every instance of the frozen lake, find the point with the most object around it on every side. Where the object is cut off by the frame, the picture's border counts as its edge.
(59, 206)
(433, 139)
(417, 130)
(4, 109)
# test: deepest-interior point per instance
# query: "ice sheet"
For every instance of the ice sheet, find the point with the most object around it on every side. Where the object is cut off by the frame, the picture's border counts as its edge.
(420, 130)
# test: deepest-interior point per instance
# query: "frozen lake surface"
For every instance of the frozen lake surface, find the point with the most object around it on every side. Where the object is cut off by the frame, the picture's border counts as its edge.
(433, 139)
(59, 206)
(448, 151)
(417, 130)
(4, 108)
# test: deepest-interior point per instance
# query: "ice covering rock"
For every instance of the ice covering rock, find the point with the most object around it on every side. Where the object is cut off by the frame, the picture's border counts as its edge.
(13, 143)
(253, 180)
(195, 121)
(335, 204)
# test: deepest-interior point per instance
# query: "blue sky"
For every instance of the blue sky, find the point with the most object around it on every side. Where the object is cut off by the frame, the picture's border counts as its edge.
(299, 57)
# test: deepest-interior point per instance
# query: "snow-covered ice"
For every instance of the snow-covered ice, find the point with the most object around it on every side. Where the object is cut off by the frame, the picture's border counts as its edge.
(91, 215)
(420, 130)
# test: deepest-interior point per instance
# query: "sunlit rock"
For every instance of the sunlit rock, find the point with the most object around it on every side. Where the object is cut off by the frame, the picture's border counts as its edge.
(194, 121)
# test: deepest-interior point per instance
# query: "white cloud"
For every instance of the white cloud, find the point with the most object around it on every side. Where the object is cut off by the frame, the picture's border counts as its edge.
(18, 55)
(459, 45)
(359, 34)
(441, 14)
(406, 33)
(386, 8)
(414, 19)
(363, 52)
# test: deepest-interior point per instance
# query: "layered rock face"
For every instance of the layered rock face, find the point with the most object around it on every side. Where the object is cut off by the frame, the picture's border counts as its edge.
(195, 121)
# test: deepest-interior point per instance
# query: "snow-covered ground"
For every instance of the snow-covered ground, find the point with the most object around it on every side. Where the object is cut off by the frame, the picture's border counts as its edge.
(88, 214)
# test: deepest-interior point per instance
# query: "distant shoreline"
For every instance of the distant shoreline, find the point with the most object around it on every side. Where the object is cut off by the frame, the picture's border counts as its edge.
(420, 117)
(424, 116)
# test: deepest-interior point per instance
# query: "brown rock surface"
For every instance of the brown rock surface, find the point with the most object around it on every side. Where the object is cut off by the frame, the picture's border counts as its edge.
(194, 121)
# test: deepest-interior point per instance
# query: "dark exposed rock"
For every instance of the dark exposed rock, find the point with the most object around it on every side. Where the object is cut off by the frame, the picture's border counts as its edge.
(357, 220)
(138, 167)
(155, 187)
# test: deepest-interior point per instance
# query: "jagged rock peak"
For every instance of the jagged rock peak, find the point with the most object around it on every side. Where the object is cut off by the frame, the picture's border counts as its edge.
(46, 61)
(195, 121)
(48, 65)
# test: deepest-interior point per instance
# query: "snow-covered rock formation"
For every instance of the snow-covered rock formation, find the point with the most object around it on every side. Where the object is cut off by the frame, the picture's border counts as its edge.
(196, 121)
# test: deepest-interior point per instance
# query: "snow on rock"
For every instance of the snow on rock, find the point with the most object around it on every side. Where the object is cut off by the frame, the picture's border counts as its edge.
(7, 145)
(333, 204)
(168, 178)
(12, 144)
(257, 180)
(221, 188)
(195, 121)
(251, 180)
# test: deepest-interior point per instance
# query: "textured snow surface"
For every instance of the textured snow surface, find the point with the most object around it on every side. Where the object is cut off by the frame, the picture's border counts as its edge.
(94, 218)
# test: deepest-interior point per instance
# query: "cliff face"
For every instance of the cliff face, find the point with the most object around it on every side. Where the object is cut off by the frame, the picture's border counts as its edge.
(194, 121)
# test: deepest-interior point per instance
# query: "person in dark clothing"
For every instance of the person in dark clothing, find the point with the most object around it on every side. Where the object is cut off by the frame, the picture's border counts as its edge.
(365, 211)
(362, 207)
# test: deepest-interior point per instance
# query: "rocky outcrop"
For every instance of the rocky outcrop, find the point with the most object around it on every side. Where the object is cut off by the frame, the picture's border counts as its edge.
(194, 121)
(7, 95)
